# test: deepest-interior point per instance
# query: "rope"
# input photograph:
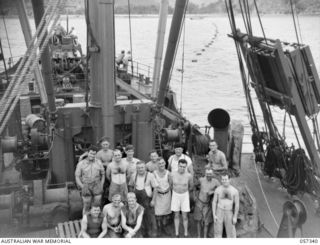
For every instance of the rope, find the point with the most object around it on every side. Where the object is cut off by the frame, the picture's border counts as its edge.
(265, 197)
(296, 175)
(294, 130)
(130, 36)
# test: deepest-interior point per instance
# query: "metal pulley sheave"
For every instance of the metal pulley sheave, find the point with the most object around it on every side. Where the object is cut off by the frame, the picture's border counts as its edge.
(294, 216)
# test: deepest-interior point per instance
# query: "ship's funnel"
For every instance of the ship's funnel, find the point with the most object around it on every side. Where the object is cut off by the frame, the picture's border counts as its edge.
(219, 118)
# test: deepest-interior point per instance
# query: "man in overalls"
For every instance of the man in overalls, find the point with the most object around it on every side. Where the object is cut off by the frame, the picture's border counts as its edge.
(90, 177)
(141, 183)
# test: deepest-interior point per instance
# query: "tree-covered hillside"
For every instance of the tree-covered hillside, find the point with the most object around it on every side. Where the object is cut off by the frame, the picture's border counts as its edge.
(7, 7)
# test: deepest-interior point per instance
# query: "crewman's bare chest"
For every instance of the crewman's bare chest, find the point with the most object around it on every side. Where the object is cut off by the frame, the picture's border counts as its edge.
(180, 179)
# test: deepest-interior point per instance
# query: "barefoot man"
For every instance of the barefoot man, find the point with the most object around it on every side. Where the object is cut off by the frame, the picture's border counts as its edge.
(202, 211)
(112, 212)
(225, 208)
(182, 183)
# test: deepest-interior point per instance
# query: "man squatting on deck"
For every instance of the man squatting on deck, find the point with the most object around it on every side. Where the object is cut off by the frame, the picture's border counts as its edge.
(154, 193)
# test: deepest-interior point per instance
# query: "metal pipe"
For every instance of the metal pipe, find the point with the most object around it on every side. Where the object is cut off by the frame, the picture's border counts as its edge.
(95, 57)
(38, 11)
(106, 41)
(163, 14)
(175, 30)
(26, 29)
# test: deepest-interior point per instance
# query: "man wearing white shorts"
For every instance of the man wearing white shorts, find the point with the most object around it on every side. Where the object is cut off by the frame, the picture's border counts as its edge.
(182, 183)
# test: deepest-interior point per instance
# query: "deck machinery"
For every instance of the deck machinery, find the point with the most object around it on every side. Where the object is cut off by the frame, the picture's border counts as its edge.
(38, 159)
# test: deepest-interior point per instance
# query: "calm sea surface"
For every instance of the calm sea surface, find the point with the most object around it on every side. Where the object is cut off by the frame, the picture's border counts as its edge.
(213, 81)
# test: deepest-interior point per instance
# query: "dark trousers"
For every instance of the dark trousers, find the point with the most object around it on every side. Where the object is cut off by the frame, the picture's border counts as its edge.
(149, 227)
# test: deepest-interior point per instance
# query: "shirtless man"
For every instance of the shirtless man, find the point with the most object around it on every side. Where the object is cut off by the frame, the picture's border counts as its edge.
(117, 174)
(105, 154)
(131, 217)
(130, 160)
(182, 184)
(216, 158)
(112, 212)
(90, 177)
(202, 211)
(152, 165)
(225, 208)
(93, 224)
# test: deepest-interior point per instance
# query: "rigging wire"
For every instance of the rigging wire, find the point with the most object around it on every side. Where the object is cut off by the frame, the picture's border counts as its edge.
(243, 17)
(261, 26)
(265, 197)
(88, 55)
(248, 16)
(294, 22)
(178, 41)
(7, 36)
(182, 62)
(4, 61)
(129, 13)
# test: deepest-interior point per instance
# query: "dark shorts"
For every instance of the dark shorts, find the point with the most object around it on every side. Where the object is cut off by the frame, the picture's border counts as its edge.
(203, 212)
(91, 189)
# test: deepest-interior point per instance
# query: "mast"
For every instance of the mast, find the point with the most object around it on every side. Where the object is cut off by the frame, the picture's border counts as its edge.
(103, 67)
(24, 22)
(163, 14)
(38, 11)
(175, 30)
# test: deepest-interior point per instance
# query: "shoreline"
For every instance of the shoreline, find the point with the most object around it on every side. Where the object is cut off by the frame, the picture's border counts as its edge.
(12, 16)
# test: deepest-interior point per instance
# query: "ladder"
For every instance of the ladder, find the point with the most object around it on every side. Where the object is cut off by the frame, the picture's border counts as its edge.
(23, 74)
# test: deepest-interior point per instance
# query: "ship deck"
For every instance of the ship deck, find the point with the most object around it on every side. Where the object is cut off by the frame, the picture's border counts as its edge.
(275, 196)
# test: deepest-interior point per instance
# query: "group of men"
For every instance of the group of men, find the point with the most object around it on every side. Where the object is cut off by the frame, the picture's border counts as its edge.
(141, 197)
(122, 60)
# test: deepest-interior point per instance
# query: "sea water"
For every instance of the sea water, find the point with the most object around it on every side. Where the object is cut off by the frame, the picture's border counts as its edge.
(211, 77)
